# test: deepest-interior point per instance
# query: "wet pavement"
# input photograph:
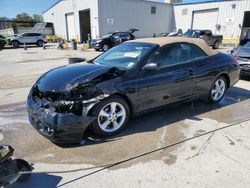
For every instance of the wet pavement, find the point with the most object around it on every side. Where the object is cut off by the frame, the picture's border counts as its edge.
(219, 159)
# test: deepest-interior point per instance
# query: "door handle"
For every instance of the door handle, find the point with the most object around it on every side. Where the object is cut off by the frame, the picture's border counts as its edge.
(190, 71)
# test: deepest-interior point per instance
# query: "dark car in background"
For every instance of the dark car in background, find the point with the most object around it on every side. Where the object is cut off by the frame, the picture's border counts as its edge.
(112, 39)
(164, 34)
(130, 79)
(242, 54)
(207, 35)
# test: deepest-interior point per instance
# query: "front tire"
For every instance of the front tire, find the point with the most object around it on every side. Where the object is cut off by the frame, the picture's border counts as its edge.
(112, 116)
(217, 90)
(105, 47)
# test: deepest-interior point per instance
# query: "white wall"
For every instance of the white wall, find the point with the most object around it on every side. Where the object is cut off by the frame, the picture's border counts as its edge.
(228, 29)
(135, 14)
(56, 15)
(93, 6)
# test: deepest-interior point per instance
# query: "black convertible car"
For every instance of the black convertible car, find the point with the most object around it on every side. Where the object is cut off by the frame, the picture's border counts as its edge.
(112, 39)
(130, 79)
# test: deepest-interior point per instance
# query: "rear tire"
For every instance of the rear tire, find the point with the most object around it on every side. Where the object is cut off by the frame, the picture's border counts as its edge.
(112, 116)
(40, 43)
(2, 44)
(216, 45)
(22, 165)
(15, 44)
(218, 90)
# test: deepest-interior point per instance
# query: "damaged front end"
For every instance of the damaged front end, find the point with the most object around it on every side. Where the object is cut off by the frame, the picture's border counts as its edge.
(63, 117)
(60, 102)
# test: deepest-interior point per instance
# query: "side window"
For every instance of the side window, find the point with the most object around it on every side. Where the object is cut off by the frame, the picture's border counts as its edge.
(125, 35)
(175, 54)
(26, 35)
(117, 35)
(191, 51)
(35, 34)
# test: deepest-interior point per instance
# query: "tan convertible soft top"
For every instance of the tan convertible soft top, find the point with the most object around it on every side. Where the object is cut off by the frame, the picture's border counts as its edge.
(161, 41)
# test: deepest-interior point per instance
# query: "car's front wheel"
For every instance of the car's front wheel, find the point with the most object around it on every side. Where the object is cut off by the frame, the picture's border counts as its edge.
(218, 90)
(105, 47)
(112, 116)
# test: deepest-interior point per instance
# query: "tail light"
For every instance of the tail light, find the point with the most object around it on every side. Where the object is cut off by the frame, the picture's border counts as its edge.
(235, 61)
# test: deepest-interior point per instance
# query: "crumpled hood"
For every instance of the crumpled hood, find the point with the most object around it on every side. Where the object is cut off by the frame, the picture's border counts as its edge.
(64, 78)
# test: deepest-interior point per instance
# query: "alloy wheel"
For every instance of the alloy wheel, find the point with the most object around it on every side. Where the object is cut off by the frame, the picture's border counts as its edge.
(40, 43)
(105, 47)
(111, 117)
(218, 89)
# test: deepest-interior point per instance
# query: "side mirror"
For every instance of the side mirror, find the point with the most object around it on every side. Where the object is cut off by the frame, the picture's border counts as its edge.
(150, 67)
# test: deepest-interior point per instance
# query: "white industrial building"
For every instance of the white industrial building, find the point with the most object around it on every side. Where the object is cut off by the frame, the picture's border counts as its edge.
(227, 17)
(77, 18)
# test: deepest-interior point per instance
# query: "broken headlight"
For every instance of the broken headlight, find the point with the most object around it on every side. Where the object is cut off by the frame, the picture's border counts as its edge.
(74, 107)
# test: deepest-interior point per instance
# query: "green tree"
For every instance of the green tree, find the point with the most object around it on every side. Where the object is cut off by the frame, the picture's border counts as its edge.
(24, 17)
(37, 18)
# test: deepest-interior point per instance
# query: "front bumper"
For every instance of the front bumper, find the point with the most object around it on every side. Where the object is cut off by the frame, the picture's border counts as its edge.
(97, 46)
(57, 127)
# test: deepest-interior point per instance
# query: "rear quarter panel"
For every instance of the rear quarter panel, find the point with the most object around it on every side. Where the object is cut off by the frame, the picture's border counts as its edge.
(208, 69)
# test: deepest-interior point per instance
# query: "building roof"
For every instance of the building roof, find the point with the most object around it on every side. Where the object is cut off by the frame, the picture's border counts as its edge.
(191, 2)
(161, 41)
(149, 1)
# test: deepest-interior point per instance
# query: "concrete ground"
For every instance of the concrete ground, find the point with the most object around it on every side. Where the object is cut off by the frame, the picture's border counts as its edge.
(218, 159)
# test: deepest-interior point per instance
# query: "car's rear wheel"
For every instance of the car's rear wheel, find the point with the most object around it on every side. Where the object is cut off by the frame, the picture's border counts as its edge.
(105, 47)
(40, 43)
(23, 166)
(2, 44)
(112, 116)
(218, 90)
(216, 45)
(15, 44)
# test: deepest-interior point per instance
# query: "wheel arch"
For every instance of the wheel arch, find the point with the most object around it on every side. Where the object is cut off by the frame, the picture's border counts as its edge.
(123, 96)
(39, 40)
(14, 41)
(127, 99)
(226, 76)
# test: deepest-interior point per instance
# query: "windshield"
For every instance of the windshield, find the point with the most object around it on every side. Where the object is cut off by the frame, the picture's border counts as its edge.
(124, 56)
(107, 35)
(242, 52)
(191, 33)
(247, 45)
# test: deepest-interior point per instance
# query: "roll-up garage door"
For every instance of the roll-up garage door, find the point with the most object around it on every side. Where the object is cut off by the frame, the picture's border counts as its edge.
(205, 19)
(70, 26)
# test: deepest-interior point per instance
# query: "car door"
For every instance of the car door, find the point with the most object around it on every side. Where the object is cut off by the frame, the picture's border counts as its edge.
(116, 39)
(125, 36)
(34, 37)
(172, 82)
(24, 38)
(207, 36)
